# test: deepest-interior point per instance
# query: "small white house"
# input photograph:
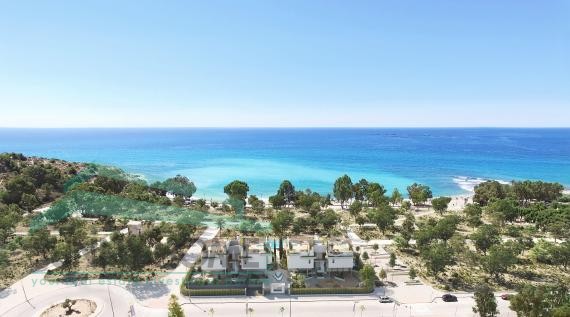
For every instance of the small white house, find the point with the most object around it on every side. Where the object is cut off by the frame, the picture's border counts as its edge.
(339, 257)
(134, 227)
(319, 257)
(300, 256)
(214, 259)
(233, 257)
(255, 258)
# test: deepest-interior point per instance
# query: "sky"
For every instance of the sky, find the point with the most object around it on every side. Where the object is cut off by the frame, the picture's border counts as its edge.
(327, 63)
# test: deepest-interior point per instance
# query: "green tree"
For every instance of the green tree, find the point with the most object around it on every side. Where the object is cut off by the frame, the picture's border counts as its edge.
(408, 226)
(178, 185)
(396, 197)
(384, 217)
(485, 303)
(237, 189)
(16, 186)
(499, 260)
(367, 275)
(106, 256)
(419, 193)
(277, 201)
(536, 301)
(40, 242)
(29, 202)
(382, 274)
(365, 256)
(161, 252)
(73, 232)
(287, 191)
(502, 210)
(406, 205)
(375, 195)
(355, 208)
(281, 224)
(440, 204)
(360, 190)
(138, 253)
(328, 219)
(488, 191)
(561, 255)
(445, 228)
(174, 309)
(9, 218)
(473, 215)
(68, 254)
(485, 237)
(342, 189)
(437, 257)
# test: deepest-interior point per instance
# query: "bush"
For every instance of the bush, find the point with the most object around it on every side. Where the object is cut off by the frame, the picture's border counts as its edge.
(212, 292)
(513, 231)
(324, 291)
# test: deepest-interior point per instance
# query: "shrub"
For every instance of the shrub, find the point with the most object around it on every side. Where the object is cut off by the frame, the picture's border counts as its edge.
(319, 291)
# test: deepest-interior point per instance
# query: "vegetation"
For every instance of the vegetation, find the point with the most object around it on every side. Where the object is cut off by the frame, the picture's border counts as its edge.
(543, 300)
(343, 189)
(174, 308)
(419, 193)
(485, 303)
(178, 185)
(440, 204)
(237, 190)
(330, 291)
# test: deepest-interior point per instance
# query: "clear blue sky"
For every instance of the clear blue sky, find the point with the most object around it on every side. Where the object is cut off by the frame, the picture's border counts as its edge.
(285, 63)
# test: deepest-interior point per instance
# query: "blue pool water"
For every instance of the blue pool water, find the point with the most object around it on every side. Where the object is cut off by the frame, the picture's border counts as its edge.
(446, 159)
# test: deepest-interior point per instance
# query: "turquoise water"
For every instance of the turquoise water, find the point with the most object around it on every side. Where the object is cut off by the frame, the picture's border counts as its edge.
(451, 161)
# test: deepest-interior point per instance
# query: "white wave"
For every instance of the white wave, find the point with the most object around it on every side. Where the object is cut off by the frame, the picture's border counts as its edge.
(468, 183)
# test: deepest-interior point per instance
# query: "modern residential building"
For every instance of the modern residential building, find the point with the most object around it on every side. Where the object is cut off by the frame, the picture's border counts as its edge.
(319, 257)
(340, 257)
(235, 257)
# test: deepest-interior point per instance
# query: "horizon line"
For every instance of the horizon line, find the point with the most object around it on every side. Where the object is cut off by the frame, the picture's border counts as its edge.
(290, 127)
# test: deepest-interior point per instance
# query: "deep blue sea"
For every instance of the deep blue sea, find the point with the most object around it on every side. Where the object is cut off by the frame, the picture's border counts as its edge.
(451, 161)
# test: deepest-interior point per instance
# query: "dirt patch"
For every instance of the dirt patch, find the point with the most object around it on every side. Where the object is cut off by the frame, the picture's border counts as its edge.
(81, 308)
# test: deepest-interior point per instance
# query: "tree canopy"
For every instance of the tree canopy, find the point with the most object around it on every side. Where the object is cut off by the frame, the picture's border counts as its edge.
(342, 189)
(419, 193)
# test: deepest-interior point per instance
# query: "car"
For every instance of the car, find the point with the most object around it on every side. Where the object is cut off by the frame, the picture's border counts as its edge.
(506, 296)
(449, 298)
(385, 299)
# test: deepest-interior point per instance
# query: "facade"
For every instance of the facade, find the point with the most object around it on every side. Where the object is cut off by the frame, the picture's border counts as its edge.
(340, 257)
(214, 258)
(234, 257)
(318, 257)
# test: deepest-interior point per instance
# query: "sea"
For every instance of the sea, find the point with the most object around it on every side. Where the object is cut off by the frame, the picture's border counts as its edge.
(451, 161)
